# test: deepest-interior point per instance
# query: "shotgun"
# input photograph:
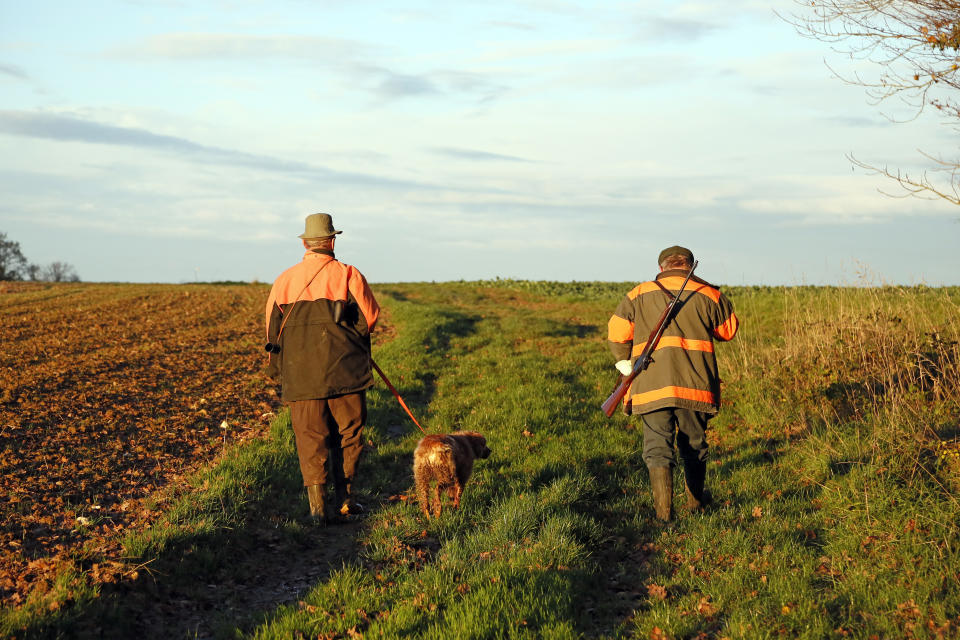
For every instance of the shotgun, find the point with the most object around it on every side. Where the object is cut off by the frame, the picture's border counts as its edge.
(610, 405)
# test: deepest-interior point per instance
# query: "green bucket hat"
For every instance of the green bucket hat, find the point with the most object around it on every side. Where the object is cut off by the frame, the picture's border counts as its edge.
(318, 225)
(675, 251)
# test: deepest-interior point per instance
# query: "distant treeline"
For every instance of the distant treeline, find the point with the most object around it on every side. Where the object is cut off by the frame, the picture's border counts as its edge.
(14, 266)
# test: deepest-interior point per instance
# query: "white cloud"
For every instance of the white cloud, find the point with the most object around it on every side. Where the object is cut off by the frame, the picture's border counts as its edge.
(476, 155)
(226, 46)
(358, 64)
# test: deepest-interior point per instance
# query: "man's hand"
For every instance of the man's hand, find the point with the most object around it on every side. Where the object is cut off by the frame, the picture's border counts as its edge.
(624, 367)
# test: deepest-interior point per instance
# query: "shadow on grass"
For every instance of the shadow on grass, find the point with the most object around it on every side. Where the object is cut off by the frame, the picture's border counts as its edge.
(570, 330)
(454, 325)
(219, 572)
(759, 451)
(393, 293)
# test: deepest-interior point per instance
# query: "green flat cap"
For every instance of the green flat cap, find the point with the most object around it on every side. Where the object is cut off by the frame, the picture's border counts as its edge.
(675, 251)
(318, 225)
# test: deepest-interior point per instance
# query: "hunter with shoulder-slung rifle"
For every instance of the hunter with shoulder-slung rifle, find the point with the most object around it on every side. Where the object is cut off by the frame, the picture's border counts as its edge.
(662, 335)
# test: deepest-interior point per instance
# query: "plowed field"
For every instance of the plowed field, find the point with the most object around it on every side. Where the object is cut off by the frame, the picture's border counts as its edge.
(109, 392)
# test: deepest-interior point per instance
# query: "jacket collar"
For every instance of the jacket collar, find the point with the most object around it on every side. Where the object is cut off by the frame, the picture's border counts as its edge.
(682, 273)
(669, 273)
(317, 253)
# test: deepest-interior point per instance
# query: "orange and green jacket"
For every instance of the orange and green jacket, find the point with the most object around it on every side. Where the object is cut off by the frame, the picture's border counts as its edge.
(321, 358)
(684, 369)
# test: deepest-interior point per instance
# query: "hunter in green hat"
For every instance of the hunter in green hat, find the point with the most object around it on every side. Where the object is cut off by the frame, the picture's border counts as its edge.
(319, 317)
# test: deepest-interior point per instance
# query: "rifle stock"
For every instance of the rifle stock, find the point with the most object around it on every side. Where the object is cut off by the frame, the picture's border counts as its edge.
(610, 404)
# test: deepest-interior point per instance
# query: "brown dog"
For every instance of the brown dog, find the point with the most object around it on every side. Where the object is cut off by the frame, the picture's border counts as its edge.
(446, 460)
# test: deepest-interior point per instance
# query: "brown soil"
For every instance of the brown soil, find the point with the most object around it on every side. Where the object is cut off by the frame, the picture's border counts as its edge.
(111, 393)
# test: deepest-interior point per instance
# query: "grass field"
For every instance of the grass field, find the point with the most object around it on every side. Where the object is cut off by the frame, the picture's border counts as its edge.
(834, 466)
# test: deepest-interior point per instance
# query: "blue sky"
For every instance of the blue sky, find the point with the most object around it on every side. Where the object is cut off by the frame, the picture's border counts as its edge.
(171, 141)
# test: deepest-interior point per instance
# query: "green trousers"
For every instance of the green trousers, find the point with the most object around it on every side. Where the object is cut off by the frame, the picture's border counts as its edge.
(685, 426)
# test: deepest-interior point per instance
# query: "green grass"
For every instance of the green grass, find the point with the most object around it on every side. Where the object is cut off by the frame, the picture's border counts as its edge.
(836, 510)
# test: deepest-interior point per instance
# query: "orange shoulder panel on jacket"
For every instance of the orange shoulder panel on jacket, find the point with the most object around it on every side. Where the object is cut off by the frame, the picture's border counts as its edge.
(321, 277)
(673, 283)
(304, 281)
(330, 284)
(318, 277)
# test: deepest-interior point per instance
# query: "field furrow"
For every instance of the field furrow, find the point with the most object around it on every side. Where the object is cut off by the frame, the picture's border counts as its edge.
(107, 394)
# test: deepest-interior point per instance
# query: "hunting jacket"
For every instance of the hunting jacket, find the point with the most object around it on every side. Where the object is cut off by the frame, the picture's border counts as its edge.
(319, 357)
(683, 372)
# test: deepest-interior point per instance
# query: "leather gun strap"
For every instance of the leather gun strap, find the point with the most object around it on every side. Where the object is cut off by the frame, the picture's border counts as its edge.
(665, 291)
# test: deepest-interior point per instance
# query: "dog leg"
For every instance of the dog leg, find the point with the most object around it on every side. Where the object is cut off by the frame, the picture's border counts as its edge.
(423, 494)
(437, 506)
(455, 492)
(461, 476)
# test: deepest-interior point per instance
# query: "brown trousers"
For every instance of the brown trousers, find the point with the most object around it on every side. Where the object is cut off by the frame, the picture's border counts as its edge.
(329, 430)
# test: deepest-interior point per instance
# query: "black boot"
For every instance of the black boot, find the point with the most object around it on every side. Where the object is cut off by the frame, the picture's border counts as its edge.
(661, 480)
(345, 502)
(695, 474)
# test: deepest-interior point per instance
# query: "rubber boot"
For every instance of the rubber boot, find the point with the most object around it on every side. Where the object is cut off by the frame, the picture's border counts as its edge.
(695, 474)
(661, 479)
(315, 497)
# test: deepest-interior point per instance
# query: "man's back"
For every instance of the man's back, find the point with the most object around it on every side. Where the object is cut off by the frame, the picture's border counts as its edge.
(326, 311)
(684, 369)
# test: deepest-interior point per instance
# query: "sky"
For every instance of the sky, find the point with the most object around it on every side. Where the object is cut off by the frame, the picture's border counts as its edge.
(181, 141)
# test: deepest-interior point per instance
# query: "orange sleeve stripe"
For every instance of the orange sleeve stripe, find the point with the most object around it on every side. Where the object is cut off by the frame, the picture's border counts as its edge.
(684, 393)
(619, 329)
(673, 284)
(728, 329)
(677, 341)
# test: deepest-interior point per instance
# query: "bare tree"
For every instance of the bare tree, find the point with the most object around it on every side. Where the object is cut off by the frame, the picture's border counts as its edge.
(59, 272)
(13, 265)
(914, 44)
(33, 272)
